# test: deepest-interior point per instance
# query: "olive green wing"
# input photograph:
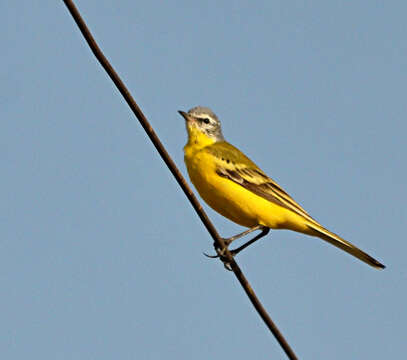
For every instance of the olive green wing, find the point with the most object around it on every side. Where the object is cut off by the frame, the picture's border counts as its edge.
(237, 167)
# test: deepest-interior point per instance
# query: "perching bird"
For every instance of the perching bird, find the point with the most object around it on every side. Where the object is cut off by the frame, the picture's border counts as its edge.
(234, 186)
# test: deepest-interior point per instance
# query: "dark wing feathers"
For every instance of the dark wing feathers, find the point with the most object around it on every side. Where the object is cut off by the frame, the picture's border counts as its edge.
(235, 166)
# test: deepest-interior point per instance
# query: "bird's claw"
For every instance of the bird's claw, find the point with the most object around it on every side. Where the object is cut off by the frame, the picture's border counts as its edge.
(227, 266)
(211, 256)
(220, 253)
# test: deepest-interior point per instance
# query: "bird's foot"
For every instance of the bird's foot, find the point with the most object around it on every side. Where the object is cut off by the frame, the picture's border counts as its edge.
(220, 253)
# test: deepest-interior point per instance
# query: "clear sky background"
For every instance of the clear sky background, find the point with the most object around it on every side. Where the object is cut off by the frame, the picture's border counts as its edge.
(100, 251)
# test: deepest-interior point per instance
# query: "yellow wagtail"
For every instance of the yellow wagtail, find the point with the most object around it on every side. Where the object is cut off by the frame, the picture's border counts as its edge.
(234, 186)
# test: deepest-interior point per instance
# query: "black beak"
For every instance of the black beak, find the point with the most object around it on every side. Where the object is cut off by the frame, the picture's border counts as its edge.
(183, 114)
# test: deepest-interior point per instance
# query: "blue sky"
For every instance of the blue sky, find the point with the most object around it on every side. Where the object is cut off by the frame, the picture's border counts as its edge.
(100, 252)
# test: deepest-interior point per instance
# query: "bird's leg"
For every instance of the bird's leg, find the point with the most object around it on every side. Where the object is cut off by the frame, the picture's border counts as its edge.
(264, 231)
(228, 241)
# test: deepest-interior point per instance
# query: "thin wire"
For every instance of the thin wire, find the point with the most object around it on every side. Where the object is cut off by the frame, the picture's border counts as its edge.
(218, 241)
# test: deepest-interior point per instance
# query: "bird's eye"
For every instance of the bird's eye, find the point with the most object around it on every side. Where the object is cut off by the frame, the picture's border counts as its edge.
(206, 120)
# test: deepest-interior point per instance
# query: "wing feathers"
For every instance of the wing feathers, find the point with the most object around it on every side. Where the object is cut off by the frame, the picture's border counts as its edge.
(263, 186)
(234, 165)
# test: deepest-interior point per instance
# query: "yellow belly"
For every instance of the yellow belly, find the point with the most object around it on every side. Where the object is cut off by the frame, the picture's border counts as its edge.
(234, 201)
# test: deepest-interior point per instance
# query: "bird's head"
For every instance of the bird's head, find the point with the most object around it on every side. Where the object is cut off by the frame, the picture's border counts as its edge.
(203, 126)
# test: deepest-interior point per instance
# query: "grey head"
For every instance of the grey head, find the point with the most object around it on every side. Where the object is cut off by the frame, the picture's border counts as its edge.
(205, 120)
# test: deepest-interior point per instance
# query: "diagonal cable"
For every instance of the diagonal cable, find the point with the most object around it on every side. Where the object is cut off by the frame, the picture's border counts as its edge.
(218, 241)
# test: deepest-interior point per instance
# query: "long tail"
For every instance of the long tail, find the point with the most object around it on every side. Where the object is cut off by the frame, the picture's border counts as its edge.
(340, 243)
